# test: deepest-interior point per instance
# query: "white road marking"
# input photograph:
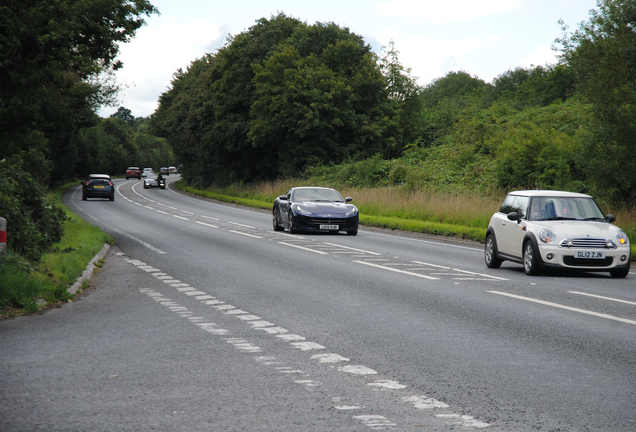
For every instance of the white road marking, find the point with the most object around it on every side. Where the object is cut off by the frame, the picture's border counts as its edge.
(556, 305)
(239, 224)
(465, 421)
(392, 385)
(481, 274)
(604, 298)
(180, 217)
(357, 370)
(359, 250)
(424, 402)
(375, 421)
(148, 245)
(206, 224)
(304, 248)
(396, 270)
(329, 358)
(432, 265)
(245, 234)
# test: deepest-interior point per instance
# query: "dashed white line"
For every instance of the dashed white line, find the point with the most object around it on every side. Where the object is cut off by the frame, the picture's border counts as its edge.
(245, 234)
(353, 249)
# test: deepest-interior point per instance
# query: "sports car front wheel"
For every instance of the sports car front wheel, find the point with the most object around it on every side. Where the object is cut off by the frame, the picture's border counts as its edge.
(290, 227)
(276, 222)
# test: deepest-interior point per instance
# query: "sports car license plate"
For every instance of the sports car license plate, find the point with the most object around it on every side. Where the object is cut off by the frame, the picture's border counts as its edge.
(99, 187)
(589, 255)
(329, 227)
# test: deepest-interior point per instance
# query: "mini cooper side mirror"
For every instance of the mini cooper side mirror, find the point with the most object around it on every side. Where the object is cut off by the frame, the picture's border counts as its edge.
(514, 216)
(610, 218)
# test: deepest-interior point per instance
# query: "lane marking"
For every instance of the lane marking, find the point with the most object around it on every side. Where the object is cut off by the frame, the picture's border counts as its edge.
(206, 224)
(432, 265)
(236, 223)
(559, 306)
(604, 298)
(304, 248)
(148, 245)
(354, 249)
(180, 217)
(396, 270)
(245, 234)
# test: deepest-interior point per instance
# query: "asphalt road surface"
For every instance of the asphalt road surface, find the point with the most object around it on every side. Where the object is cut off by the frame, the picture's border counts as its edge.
(205, 319)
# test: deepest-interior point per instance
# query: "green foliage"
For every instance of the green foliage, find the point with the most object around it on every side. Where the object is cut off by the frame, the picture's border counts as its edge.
(55, 62)
(283, 96)
(602, 54)
(113, 145)
(34, 222)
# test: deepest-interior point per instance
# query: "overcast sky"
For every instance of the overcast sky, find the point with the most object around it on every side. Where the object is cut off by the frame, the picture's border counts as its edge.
(482, 37)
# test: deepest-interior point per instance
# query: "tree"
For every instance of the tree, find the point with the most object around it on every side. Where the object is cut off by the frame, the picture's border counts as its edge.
(125, 114)
(602, 54)
(55, 61)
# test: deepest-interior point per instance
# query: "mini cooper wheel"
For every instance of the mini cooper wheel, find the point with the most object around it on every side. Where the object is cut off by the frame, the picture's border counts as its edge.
(530, 264)
(490, 253)
(620, 273)
(276, 222)
(290, 227)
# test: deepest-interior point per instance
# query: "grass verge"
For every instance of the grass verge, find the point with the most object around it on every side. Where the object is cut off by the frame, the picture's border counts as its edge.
(23, 284)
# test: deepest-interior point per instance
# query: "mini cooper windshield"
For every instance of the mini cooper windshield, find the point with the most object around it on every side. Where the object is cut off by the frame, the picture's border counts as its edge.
(564, 208)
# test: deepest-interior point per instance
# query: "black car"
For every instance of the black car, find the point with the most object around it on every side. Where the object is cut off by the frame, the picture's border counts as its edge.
(98, 186)
(153, 180)
(315, 209)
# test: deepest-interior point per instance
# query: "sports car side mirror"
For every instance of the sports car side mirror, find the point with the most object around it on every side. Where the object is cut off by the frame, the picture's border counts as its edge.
(283, 197)
(348, 199)
(610, 218)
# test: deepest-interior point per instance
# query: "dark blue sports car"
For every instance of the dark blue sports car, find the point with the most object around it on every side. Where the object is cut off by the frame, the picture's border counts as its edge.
(315, 209)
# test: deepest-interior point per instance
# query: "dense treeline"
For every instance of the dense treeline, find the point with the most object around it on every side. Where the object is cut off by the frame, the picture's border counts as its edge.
(56, 64)
(283, 96)
(289, 99)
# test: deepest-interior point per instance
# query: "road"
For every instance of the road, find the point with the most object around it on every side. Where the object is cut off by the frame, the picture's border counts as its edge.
(204, 318)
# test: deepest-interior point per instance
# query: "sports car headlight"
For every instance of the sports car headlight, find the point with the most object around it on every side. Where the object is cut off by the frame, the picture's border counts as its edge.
(303, 211)
(622, 238)
(546, 235)
(351, 212)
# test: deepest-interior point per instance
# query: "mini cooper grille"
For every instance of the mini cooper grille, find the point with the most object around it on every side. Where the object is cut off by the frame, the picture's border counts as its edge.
(580, 262)
(587, 242)
(328, 221)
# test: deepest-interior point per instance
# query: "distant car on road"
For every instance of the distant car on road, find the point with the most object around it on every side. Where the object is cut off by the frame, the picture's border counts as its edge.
(164, 171)
(133, 172)
(553, 229)
(147, 171)
(153, 180)
(315, 209)
(172, 170)
(98, 186)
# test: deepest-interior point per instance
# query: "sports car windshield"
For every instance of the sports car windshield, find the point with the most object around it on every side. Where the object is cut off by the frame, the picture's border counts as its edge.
(560, 208)
(317, 195)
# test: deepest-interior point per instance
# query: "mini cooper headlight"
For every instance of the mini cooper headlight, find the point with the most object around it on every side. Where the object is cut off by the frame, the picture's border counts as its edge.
(546, 235)
(303, 211)
(622, 238)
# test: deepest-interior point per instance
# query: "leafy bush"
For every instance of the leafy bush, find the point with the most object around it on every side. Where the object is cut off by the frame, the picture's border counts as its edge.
(34, 222)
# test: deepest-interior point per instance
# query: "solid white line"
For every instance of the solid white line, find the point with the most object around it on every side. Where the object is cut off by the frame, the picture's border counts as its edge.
(206, 224)
(180, 217)
(346, 247)
(604, 298)
(424, 241)
(480, 274)
(246, 226)
(432, 265)
(396, 270)
(245, 234)
(556, 305)
(304, 248)
(148, 245)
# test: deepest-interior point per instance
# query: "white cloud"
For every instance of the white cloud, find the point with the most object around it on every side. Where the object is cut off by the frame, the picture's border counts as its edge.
(154, 56)
(542, 56)
(429, 57)
(443, 11)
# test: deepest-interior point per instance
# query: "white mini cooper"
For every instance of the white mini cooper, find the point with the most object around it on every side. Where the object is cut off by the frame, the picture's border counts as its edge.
(551, 229)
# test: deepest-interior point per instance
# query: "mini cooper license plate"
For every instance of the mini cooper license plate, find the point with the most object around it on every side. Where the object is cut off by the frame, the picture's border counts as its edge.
(329, 227)
(589, 255)
(99, 187)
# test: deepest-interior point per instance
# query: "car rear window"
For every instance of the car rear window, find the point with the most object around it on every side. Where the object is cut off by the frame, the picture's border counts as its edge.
(99, 181)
